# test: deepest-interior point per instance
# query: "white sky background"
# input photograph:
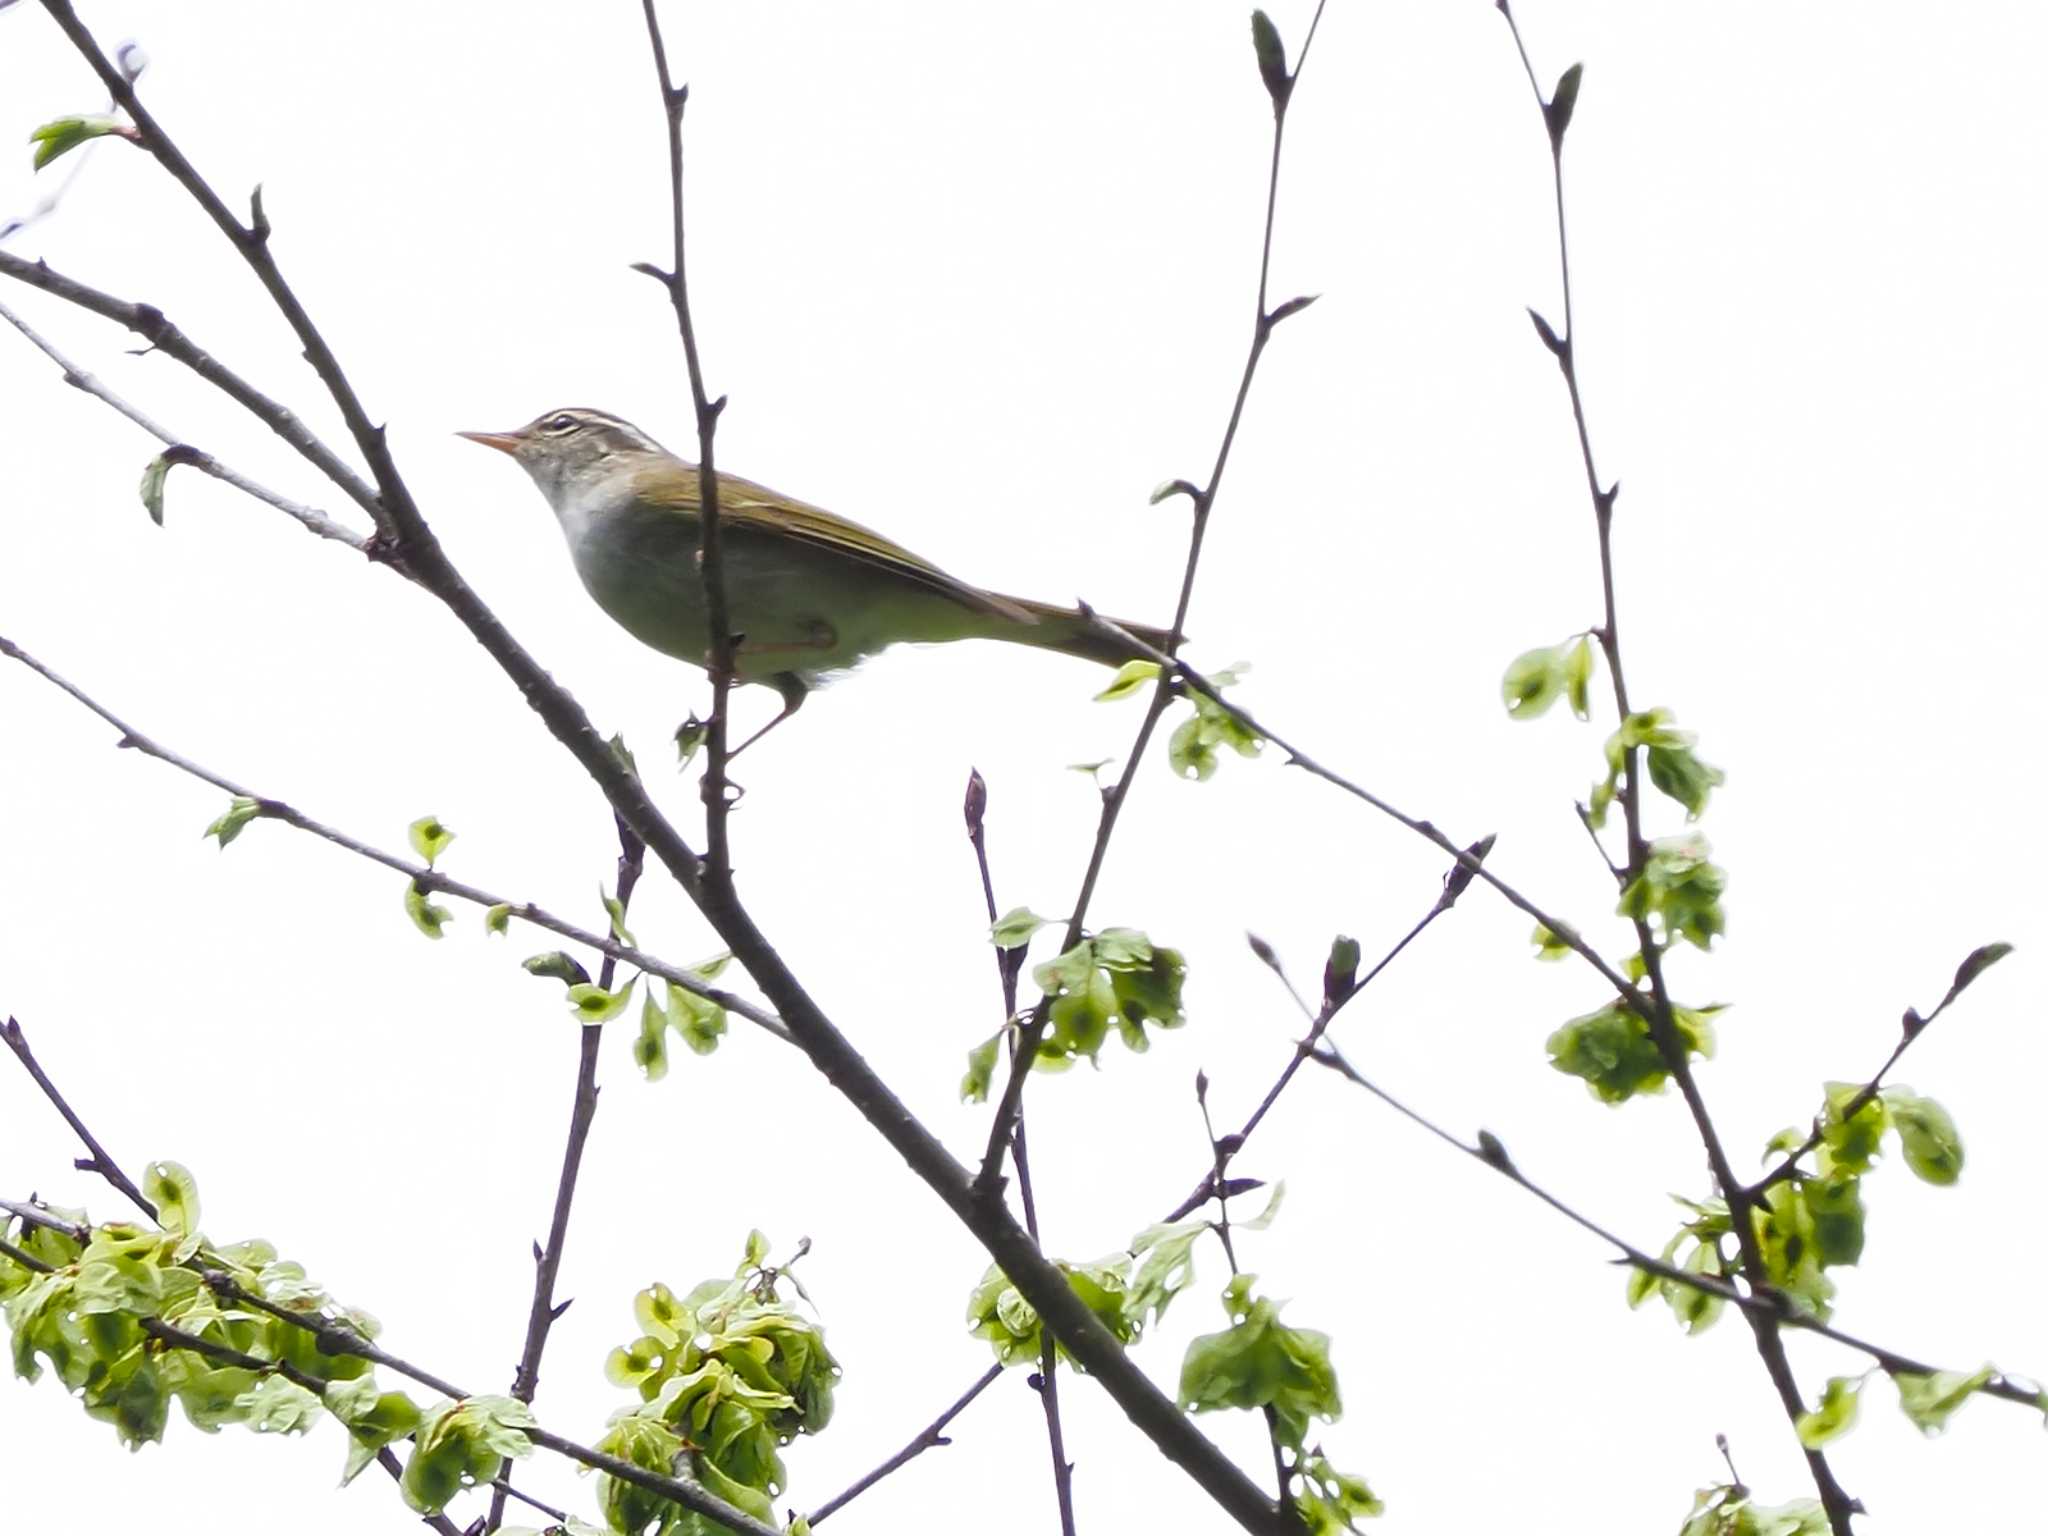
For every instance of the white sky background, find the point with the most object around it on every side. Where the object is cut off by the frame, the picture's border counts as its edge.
(982, 278)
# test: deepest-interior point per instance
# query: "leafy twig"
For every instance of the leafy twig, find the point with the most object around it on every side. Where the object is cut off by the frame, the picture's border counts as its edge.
(547, 1258)
(1280, 87)
(1488, 1150)
(429, 880)
(1663, 1029)
(311, 518)
(1008, 963)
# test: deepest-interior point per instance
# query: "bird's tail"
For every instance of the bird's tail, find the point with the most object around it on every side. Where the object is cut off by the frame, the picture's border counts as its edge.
(1065, 630)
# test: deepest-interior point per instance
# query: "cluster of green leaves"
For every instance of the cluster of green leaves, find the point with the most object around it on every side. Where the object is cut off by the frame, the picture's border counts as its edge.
(1728, 1510)
(1675, 769)
(1128, 1291)
(1928, 1398)
(1192, 748)
(726, 1376)
(1615, 1051)
(1537, 679)
(88, 1319)
(1260, 1363)
(1117, 978)
(697, 1021)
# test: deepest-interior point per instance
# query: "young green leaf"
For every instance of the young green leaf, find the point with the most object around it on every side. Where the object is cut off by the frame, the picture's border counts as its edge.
(499, 918)
(429, 837)
(1013, 930)
(426, 917)
(616, 911)
(981, 1070)
(650, 1046)
(1837, 1411)
(1578, 677)
(62, 135)
(1533, 682)
(593, 1005)
(1927, 1136)
(171, 1188)
(242, 810)
(1929, 1400)
(1130, 677)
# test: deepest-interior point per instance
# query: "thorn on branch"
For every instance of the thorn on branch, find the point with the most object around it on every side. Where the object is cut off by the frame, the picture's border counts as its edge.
(649, 269)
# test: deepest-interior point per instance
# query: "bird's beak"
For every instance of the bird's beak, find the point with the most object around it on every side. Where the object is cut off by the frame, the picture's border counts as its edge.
(504, 442)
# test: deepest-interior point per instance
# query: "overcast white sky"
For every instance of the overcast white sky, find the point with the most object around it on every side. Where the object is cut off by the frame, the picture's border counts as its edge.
(981, 277)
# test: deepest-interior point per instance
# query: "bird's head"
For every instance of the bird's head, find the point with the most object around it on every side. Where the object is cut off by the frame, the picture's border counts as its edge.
(565, 450)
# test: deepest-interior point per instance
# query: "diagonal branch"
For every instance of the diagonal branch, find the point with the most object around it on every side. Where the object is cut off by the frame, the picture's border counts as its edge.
(933, 1434)
(1266, 318)
(311, 518)
(547, 1259)
(427, 879)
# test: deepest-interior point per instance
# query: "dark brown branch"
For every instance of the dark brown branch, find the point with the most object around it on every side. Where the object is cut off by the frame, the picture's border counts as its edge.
(429, 880)
(933, 1434)
(1762, 1304)
(989, 1180)
(716, 787)
(1008, 963)
(97, 1161)
(547, 1258)
(1671, 1046)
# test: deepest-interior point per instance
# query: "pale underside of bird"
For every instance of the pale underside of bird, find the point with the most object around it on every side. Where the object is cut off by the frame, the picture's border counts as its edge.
(809, 594)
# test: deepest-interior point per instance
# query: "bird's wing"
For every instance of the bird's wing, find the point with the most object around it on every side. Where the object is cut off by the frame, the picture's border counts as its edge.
(744, 505)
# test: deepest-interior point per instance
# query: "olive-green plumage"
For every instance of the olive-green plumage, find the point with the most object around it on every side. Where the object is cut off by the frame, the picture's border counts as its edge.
(808, 592)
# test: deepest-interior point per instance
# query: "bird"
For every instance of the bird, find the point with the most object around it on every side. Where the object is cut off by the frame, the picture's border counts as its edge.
(809, 594)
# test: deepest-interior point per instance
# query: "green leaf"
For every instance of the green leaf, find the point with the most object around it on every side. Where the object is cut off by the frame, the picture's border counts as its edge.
(981, 1070)
(242, 810)
(1927, 1136)
(650, 1047)
(171, 1188)
(556, 965)
(429, 837)
(1013, 930)
(593, 1005)
(1191, 756)
(1166, 1269)
(1549, 945)
(1836, 1413)
(616, 911)
(1272, 57)
(1679, 890)
(1533, 682)
(1130, 677)
(62, 135)
(1612, 1050)
(1847, 1146)
(154, 474)
(1929, 1400)
(499, 918)
(690, 738)
(426, 917)
(698, 1020)
(1578, 677)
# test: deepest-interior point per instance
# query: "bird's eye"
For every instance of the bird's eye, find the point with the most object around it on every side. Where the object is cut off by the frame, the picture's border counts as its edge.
(561, 424)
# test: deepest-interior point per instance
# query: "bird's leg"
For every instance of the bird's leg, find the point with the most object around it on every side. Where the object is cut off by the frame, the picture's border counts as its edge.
(793, 689)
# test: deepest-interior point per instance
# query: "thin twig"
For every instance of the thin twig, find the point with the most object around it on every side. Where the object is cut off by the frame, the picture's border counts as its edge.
(428, 880)
(311, 518)
(1840, 1506)
(1008, 963)
(716, 786)
(98, 1161)
(1760, 1304)
(1265, 318)
(547, 1259)
(930, 1436)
